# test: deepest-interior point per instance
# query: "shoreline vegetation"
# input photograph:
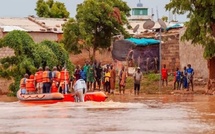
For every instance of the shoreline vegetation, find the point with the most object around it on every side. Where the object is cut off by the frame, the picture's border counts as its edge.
(149, 86)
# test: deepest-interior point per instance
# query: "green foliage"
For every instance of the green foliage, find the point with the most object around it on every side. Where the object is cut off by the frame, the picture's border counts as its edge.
(62, 56)
(201, 26)
(29, 56)
(44, 56)
(51, 9)
(153, 77)
(95, 25)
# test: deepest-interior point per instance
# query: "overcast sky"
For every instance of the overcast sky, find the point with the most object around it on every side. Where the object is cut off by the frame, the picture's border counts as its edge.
(23, 8)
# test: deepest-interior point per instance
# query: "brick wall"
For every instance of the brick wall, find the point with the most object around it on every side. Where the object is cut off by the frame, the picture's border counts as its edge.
(170, 54)
(6, 52)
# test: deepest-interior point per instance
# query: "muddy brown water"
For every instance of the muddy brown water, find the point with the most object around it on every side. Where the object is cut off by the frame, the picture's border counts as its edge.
(120, 114)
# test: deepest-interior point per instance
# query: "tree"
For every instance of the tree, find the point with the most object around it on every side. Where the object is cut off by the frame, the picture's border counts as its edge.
(95, 24)
(165, 18)
(51, 9)
(201, 26)
(29, 56)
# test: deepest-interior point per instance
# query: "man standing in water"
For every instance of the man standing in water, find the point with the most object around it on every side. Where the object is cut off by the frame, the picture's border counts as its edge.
(137, 80)
(80, 89)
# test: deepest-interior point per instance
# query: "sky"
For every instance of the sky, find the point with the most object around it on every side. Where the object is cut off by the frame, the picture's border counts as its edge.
(24, 8)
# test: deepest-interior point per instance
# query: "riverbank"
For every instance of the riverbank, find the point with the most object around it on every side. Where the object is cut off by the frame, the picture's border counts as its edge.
(5, 98)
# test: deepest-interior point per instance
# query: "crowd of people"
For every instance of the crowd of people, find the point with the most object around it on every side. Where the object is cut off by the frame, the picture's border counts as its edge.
(182, 79)
(100, 77)
(46, 81)
(95, 76)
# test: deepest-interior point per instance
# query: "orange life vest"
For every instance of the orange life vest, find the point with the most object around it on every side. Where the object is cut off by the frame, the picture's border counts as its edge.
(30, 85)
(46, 76)
(56, 76)
(54, 88)
(64, 76)
(39, 76)
(22, 83)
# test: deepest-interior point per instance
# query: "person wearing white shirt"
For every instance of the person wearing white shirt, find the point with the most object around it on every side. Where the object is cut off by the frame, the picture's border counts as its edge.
(80, 89)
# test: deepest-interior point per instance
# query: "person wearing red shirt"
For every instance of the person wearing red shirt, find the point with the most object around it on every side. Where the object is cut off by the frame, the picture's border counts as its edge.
(164, 74)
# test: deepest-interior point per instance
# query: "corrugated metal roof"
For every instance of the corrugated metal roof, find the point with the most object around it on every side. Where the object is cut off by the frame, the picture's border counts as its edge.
(11, 28)
(34, 24)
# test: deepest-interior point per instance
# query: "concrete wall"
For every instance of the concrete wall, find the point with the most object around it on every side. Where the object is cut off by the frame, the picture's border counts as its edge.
(39, 37)
(190, 54)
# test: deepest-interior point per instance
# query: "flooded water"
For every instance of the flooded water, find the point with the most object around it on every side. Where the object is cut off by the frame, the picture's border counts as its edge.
(159, 114)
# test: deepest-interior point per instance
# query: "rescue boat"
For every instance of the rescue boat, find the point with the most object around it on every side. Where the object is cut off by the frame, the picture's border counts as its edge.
(47, 98)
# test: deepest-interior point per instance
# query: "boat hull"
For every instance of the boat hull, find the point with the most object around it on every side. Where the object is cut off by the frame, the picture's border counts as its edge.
(49, 98)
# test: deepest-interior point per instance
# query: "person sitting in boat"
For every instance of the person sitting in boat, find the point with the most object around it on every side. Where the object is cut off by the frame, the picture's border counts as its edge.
(39, 80)
(30, 85)
(47, 77)
(80, 89)
(23, 84)
(64, 81)
(55, 79)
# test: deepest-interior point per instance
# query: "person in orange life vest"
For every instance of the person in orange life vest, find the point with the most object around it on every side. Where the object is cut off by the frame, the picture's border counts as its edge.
(22, 85)
(55, 79)
(47, 80)
(30, 85)
(64, 81)
(164, 74)
(39, 80)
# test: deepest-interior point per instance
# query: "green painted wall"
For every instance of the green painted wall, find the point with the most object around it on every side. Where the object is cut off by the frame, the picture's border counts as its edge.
(139, 11)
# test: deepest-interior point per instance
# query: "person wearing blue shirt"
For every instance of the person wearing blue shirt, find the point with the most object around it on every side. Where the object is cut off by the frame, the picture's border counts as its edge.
(190, 73)
(184, 78)
(177, 79)
(83, 74)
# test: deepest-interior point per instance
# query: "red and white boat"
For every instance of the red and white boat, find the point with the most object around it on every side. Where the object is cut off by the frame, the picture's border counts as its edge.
(47, 98)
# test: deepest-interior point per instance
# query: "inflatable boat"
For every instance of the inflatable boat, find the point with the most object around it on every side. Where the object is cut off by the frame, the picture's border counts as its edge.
(58, 97)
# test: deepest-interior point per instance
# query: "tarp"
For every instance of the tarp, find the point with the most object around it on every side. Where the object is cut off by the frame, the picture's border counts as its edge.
(147, 57)
(143, 41)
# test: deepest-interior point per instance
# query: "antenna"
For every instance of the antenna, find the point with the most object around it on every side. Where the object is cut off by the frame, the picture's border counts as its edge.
(148, 24)
(162, 23)
(152, 12)
(136, 28)
(157, 12)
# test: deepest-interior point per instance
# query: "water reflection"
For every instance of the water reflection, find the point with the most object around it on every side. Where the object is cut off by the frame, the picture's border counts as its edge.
(158, 114)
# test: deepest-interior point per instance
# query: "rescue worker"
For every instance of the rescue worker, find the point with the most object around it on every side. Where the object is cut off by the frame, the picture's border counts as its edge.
(80, 89)
(64, 81)
(22, 85)
(47, 77)
(30, 85)
(39, 80)
(55, 79)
